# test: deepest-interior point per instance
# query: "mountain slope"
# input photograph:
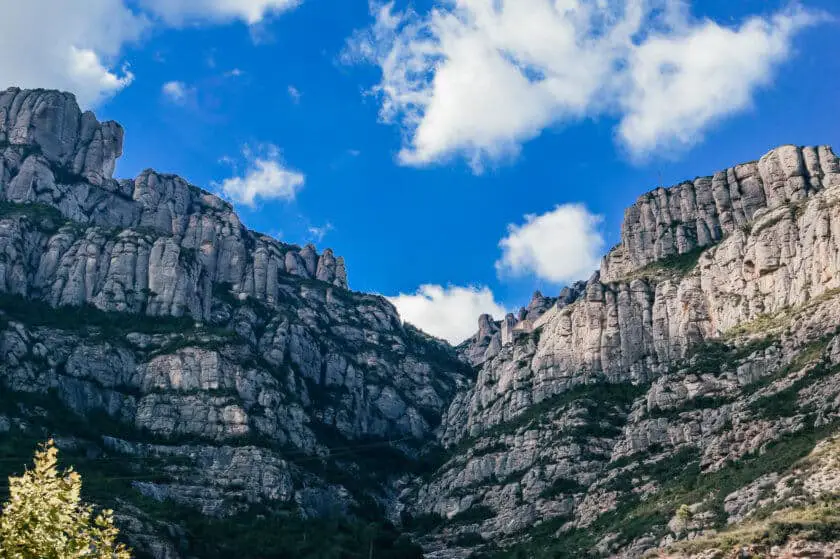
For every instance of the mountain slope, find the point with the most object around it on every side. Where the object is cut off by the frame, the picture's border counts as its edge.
(222, 370)
(708, 340)
(229, 395)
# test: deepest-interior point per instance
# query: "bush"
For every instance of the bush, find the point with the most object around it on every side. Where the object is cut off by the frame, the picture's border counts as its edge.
(474, 515)
(45, 518)
(562, 486)
(468, 539)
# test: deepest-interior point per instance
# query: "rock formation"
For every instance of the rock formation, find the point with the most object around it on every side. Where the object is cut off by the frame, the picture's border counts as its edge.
(721, 298)
(673, 221)
(682, 402)
(235, 363)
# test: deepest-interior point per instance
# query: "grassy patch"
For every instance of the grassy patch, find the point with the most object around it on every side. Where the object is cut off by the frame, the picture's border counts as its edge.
(806, 355)
(492, 448)
(769, 322)
(602, 400)
(818, 522)
(710, 357)
(761, 324)
(784, 403)
(677, 265)
(38, 213)
(694, 404)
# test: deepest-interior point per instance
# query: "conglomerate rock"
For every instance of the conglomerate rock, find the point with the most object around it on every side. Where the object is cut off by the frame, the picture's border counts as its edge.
(689, 388)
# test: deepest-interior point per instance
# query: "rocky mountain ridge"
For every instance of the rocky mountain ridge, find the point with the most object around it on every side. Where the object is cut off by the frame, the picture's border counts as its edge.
(224, 391)
(57, 156)
(672, 355)
(225, 371)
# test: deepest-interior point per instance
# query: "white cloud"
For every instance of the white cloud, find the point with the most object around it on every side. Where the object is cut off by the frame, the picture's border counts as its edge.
(176, 91)
(449, 312)
(295, 94)
(252, 12)
(56, 45)
(266, 177)
(560, 246)
(71, 46)
(683, 82)
(477, 78)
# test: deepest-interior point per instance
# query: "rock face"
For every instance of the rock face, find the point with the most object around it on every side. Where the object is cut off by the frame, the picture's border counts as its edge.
(682, 402)
(707, 337)
(52, 123)
(678, 220)
(155, 235)
(223, 367)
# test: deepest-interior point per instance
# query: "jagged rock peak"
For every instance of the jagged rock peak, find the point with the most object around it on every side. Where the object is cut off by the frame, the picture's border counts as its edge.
(682, 218)
(66, 136)
(54, 154)
(486, 326)
(508, 324)
(570, 293)
(492, 334)
(537, 300)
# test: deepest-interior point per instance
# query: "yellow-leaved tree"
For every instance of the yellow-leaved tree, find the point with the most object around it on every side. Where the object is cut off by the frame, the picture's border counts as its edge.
(46, 519)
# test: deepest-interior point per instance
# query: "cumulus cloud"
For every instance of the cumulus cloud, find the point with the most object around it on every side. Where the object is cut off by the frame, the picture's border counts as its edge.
(560, 246)
(685, 81)
(267, 177)
(252, 12)
(449, 312)
(478, 78)
(55, 44)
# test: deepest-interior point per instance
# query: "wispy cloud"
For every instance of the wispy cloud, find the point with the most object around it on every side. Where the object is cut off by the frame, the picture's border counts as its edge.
(317, 234)
(251, 12)
(177, 91)
(294, 94)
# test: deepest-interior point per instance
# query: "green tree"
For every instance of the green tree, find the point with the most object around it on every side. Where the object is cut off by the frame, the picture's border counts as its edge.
(46, 519)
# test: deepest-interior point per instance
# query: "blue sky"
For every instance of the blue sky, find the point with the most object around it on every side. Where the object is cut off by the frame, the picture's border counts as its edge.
(424, 194)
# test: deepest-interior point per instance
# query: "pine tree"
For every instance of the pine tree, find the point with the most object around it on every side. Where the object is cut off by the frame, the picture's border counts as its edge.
(46, 519)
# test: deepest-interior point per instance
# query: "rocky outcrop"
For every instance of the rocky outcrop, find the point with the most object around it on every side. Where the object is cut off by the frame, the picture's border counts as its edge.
(143, 324)
(685, 393)
(492, 335)
(672, 221)
(52, 124)
(54, 155)
(661, 359)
